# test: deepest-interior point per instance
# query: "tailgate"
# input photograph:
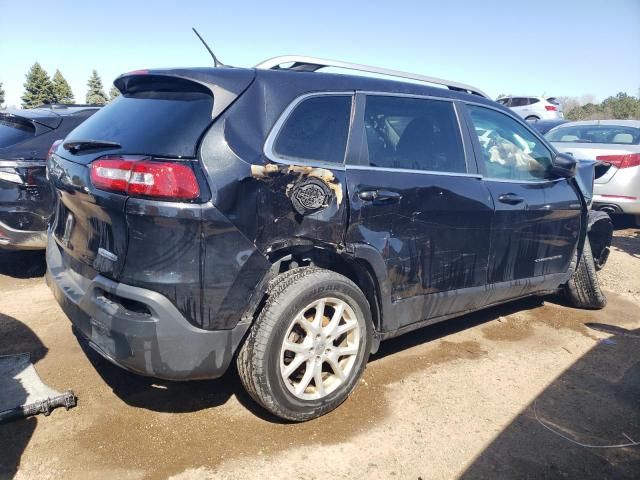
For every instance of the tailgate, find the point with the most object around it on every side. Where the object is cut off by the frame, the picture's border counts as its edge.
(158, 119)
(89, 225)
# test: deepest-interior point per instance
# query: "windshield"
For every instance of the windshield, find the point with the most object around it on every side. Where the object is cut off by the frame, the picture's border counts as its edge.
(609, 134)
(14, 130)
(166, 124)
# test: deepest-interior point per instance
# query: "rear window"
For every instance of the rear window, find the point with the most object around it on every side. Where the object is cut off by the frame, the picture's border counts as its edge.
(316, 130)
(159, 123)
(14, 130)
(608, 134)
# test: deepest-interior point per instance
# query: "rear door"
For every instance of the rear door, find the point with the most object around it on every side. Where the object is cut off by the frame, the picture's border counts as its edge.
(418, 202)
(537, 219)
(158, 119)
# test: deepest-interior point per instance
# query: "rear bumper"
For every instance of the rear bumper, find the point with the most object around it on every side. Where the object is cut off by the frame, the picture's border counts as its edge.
(159, 342)
(620, 205)
(14, 239)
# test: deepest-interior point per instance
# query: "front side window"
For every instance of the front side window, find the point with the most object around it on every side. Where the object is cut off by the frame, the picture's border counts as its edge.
(317, 129)
(518, 102)
(509, 151)
(414, 134)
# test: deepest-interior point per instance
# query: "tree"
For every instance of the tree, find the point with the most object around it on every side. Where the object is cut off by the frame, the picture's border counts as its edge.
(95, 94)
(61, 89)
(38, 88)
(1, 94)
(622, 106)
(113, 93)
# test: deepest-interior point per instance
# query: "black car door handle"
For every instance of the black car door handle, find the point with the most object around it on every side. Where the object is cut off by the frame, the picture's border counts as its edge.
(379, 196)
(510, 198)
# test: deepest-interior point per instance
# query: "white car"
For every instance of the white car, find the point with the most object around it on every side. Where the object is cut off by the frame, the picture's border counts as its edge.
(533, 108)
(616, 143)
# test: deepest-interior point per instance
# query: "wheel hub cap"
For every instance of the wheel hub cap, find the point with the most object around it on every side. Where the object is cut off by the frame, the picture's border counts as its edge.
(320, 348)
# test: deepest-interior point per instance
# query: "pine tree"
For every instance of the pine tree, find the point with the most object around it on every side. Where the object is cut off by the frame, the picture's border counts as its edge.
(61, 89)
(38, 88)
(113, 93)
(95, 94)
(1, 94)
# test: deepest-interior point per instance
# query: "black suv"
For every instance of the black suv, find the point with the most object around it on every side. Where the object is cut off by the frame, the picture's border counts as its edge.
(293, 219)
(26, 197)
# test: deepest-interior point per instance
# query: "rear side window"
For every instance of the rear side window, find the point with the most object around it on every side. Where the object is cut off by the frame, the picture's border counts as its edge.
(317, 129)
(14, 130)
(414, 134)
(509, 151)
(608, 134)
(533, 100)
(159, 123)
(518, 102)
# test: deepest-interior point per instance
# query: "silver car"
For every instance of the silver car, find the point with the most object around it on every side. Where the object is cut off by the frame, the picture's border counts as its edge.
(615, 142)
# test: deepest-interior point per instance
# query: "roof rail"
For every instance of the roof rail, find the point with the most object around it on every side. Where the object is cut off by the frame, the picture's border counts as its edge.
(311, 64)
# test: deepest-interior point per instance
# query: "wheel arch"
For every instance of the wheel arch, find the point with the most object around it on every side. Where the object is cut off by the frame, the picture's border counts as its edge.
(600, 234)
(356, 268)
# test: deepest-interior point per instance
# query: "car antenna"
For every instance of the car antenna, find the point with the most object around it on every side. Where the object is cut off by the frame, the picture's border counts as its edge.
(216, 62)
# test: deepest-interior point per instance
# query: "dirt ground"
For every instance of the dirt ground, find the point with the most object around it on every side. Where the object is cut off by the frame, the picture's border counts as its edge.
(509, 392)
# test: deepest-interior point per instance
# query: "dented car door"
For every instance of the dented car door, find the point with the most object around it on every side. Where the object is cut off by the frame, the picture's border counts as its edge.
(417, 201)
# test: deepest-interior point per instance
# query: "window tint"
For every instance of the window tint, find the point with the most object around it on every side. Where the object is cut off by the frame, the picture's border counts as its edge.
(509, 150)
(503, 101)
(413, 133)
(14, 130)
(317, 129)
(533, 100)
(518, 102)
(611, 134)
(162, 123)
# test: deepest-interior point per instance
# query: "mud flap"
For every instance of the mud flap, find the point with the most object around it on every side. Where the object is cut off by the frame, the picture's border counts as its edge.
(23, 394)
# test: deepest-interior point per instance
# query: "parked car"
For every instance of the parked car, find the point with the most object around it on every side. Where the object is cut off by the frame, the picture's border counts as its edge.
(292, 219)
(534, 108)
(616, 143)
(543, 126)
(26, 196)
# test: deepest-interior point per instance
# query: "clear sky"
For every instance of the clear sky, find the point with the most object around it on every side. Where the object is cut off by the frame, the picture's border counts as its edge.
(553, 47)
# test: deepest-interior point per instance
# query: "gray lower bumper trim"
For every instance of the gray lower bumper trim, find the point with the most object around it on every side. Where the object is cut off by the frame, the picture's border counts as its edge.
(161, 343)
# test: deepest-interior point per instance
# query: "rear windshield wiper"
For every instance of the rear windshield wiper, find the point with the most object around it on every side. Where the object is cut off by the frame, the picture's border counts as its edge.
(79, 145)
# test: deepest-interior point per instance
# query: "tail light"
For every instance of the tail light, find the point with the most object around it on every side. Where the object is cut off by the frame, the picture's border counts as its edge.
(143, 177)
(621, 161)
(54, 147)
(551, 108)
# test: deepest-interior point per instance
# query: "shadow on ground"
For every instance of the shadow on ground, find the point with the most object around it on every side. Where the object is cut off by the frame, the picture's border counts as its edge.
(629, 243)
(27, 264)
(14, 436)
(180, 397)
(596, 402)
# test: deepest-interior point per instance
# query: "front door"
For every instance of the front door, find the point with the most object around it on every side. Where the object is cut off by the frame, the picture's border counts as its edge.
(420, 205)
(537, 218)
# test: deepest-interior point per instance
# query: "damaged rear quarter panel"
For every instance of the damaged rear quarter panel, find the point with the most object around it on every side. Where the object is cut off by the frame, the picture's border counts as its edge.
(258, 195)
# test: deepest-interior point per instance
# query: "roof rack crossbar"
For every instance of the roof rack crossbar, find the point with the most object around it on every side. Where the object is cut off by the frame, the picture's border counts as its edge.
(311, 64)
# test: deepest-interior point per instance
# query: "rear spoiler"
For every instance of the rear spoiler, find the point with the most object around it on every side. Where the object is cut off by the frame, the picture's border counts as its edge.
(35, 117)
(225, 84)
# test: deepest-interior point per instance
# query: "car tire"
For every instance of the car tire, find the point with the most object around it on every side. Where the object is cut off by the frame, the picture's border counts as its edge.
(531, 117)
(325, 318)
(583, 289)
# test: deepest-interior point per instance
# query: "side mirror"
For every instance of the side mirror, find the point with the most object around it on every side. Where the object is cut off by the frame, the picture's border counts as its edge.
(563, 165)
